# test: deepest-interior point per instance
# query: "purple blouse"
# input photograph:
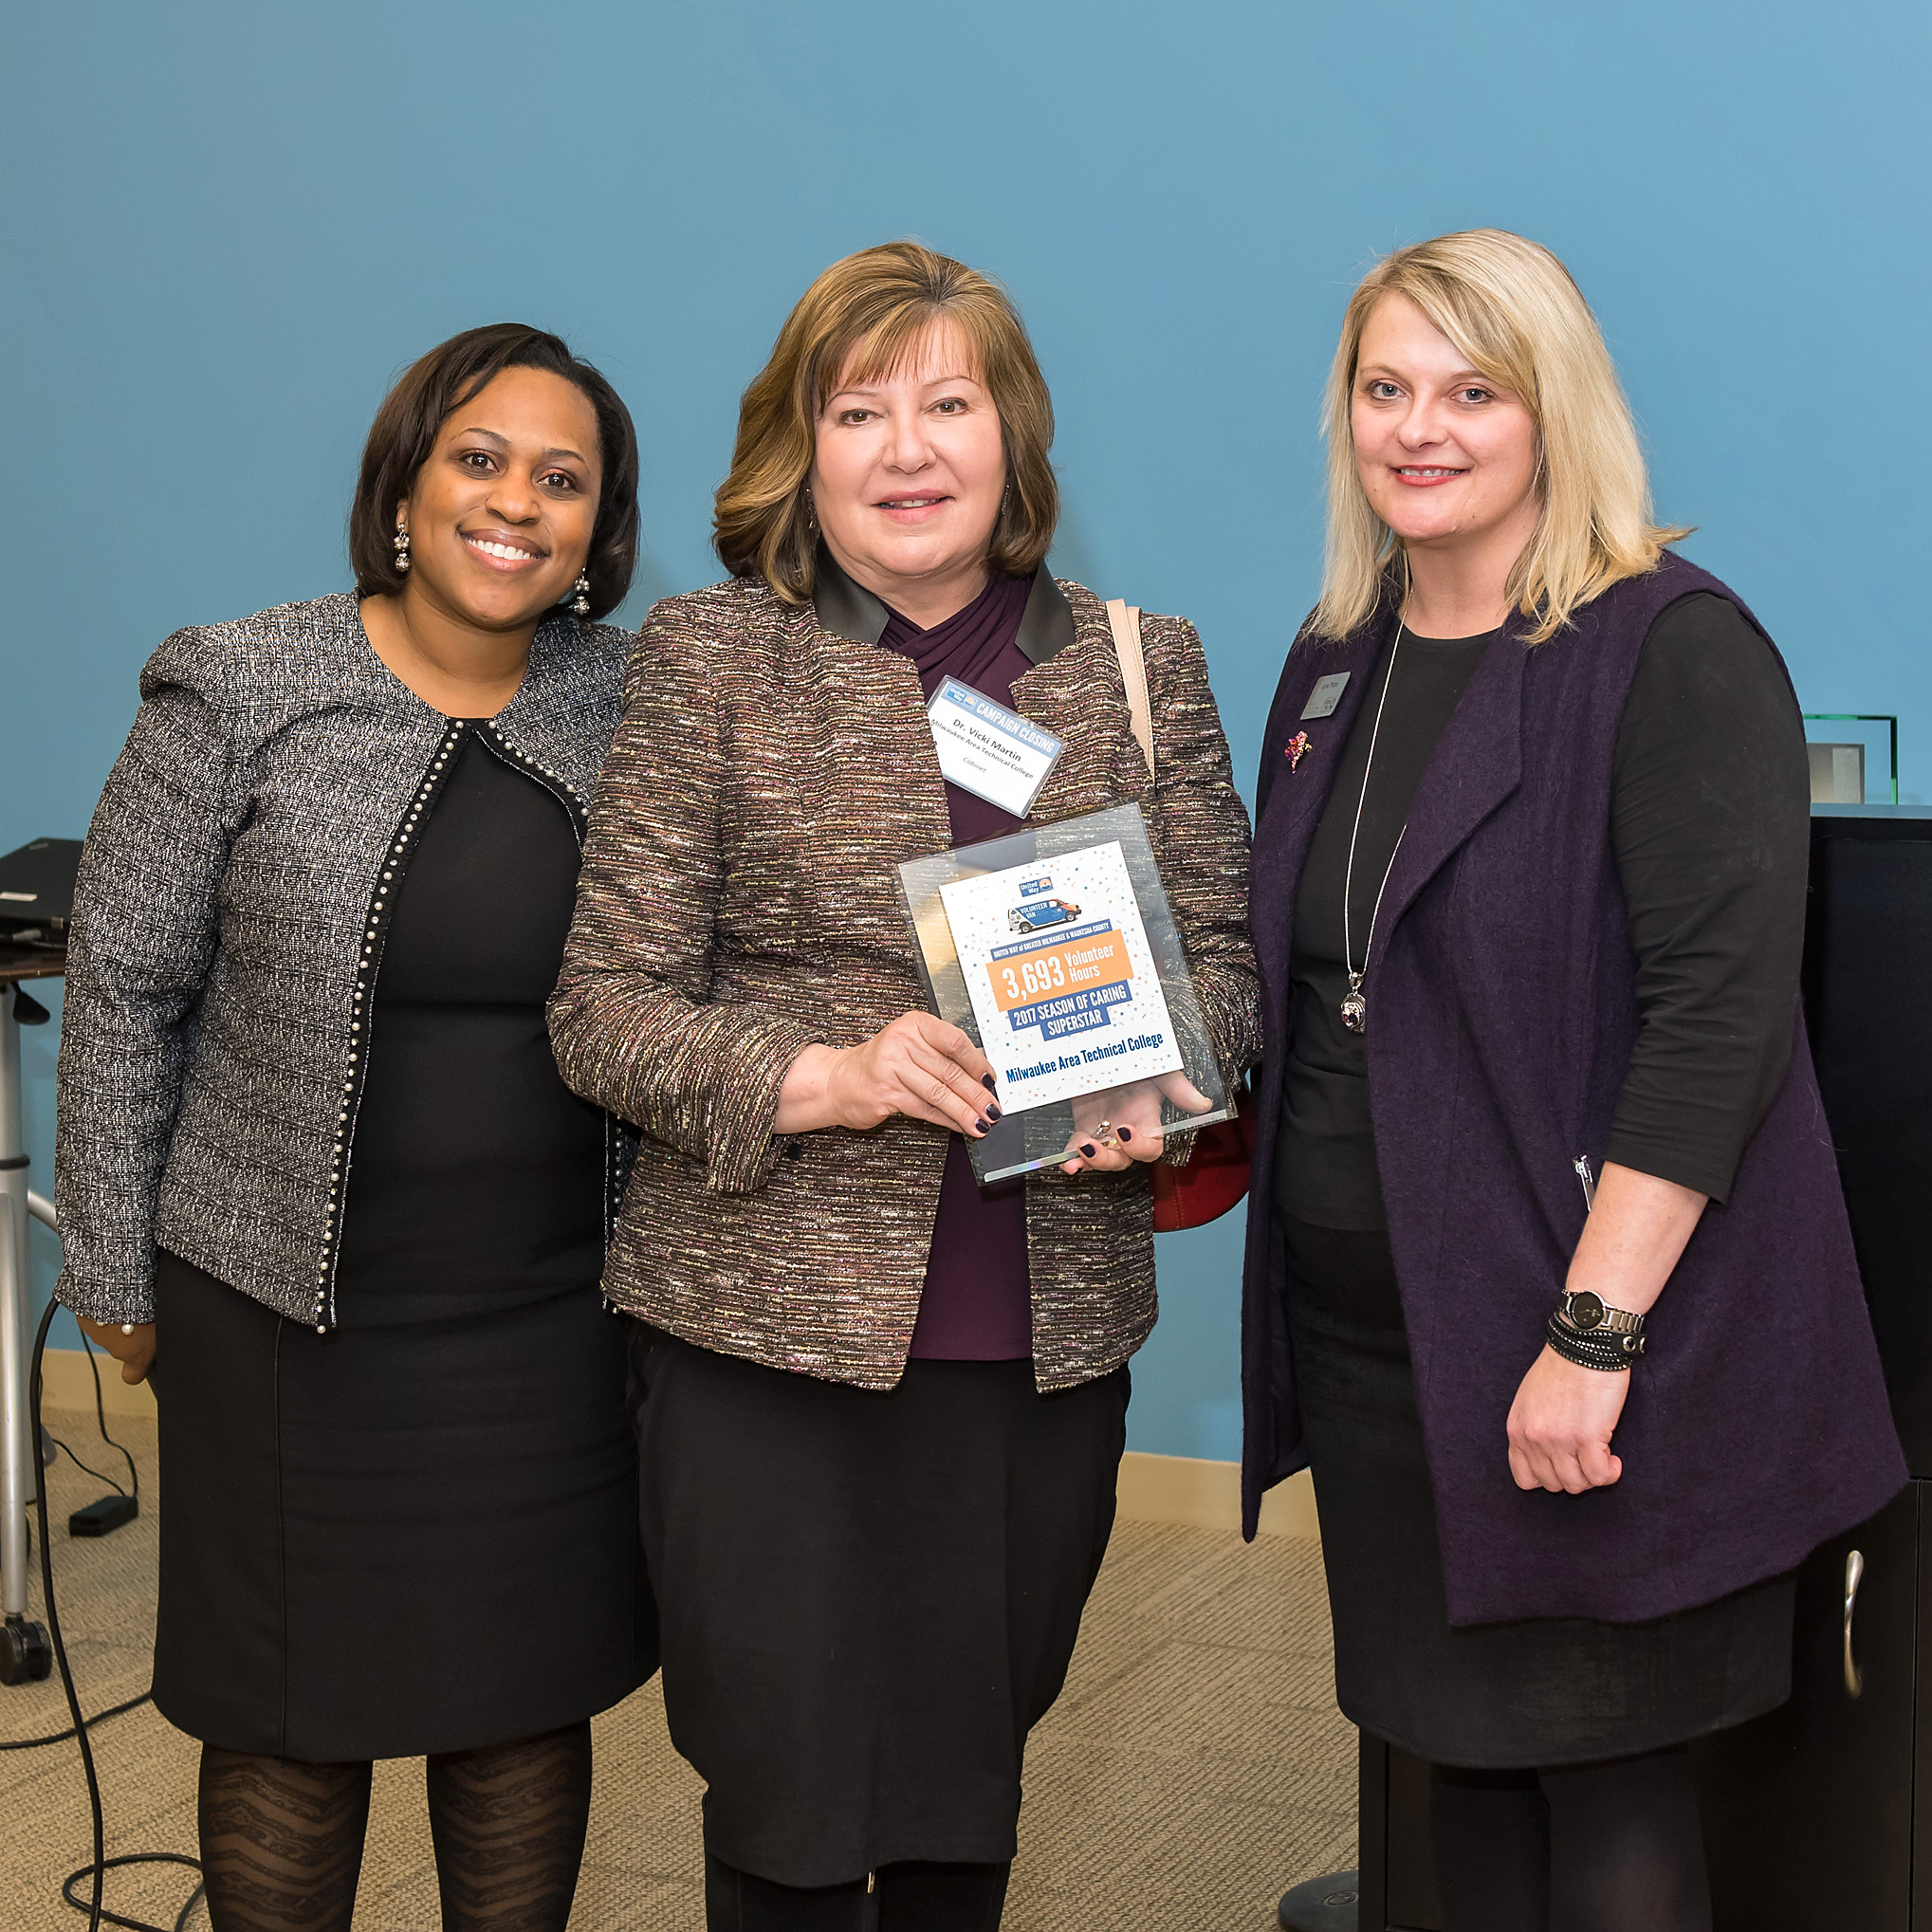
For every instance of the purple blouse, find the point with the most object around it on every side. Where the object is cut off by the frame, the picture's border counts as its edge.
(977, 1303)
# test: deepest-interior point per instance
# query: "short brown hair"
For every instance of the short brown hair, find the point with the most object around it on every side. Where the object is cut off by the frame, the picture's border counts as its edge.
(862, 318)
(412, 415)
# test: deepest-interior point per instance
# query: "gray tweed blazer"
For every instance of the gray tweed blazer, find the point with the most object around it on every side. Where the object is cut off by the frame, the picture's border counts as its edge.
(230, 917)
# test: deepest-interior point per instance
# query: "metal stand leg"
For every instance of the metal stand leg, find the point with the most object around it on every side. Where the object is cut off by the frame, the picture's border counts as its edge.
(1323, 1905)
(1352, 1901)
(25, 1654)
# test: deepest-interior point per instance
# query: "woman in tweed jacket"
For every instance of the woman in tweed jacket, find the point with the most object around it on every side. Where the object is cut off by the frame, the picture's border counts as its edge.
(313, 1157)
(879, 1409)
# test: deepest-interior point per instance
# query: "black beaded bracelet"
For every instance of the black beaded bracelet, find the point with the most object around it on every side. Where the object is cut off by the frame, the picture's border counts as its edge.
(1617, 1341)
(1571, 1344)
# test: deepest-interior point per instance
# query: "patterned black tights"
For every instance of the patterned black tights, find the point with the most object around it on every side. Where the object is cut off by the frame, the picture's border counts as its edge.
(508, 1824)
(281, 1842)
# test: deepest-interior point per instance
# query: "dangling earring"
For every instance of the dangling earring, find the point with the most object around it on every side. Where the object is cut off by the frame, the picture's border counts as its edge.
(581, 602)
(402, 551)
(811, 513)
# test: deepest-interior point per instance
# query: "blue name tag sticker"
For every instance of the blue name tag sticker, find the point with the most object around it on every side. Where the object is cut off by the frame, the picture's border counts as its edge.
(988, 751)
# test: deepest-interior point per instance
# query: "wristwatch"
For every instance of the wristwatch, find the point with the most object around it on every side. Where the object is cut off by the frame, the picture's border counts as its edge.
(1589, 1312)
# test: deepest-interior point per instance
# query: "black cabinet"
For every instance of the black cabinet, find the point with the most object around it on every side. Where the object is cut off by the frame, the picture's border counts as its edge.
(1808, 1810)
(1817, 1816)
(1868, 1002)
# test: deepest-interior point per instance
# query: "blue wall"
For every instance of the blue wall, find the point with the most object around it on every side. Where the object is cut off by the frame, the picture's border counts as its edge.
(227, 226)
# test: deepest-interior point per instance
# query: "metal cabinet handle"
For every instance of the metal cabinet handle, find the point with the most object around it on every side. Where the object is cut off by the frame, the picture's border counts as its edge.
(1855, 1575)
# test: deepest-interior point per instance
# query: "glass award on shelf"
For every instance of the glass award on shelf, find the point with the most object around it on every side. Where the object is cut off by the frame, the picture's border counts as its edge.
(1054, 948)
(1854, 758)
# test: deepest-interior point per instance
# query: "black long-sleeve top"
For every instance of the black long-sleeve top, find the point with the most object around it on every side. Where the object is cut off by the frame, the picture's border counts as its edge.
(1709, 825)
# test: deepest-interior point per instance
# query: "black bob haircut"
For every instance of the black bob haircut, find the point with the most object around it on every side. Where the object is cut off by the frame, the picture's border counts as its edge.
(412, 414)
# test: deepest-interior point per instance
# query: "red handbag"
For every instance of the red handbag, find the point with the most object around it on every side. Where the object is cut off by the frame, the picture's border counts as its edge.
(1214, 1180)
(1216, 1176)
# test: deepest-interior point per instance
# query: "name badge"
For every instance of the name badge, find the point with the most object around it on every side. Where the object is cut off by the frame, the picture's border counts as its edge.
(1326, 695)
(987, 750)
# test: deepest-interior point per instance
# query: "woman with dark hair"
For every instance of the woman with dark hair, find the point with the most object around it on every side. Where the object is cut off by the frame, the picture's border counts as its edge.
(315, 1157)
(880, 1407)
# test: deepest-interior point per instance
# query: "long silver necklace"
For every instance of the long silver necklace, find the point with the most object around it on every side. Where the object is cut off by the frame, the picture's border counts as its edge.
(1354, 1008)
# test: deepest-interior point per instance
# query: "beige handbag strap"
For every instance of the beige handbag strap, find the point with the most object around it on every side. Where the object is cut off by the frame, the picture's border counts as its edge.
(1124, 620)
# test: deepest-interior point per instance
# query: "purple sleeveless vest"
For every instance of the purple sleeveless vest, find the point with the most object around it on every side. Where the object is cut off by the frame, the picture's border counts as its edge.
(1501, 1016)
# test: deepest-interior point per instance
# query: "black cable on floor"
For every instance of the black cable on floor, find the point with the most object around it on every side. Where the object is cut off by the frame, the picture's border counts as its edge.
(73, 1878)
(134, 1475)
(97, 1913)
(83, 1466)
(134, 1704)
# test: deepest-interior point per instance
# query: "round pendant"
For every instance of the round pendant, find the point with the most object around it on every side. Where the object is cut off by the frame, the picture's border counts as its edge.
(1354, 1013)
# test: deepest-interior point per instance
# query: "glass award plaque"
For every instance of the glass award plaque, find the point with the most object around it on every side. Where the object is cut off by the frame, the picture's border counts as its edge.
(1054, 948)
(1854, 758)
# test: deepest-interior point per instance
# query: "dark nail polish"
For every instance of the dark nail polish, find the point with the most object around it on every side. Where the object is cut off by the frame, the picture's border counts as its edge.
(1126, 1133)
(987, 1081)
(1087, 1149)
(992, 1112)
(982, 1125)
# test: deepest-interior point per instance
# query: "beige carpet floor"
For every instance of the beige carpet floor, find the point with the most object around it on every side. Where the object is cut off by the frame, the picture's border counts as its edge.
(1195, 1767)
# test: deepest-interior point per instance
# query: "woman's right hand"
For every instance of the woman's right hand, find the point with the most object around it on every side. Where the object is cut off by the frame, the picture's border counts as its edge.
(918, 1065)
(134, 1348)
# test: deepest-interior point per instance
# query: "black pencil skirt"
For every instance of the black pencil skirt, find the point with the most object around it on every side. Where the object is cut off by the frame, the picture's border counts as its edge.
(1514, 1696)
(866, 1599)
(390, 1541)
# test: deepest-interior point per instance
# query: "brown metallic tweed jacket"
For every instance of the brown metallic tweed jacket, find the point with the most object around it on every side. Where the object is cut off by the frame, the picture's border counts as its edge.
(737, 903)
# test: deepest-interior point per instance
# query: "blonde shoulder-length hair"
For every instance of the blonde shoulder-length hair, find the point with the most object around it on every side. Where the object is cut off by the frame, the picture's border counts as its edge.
(1512, 309)
(862, 320)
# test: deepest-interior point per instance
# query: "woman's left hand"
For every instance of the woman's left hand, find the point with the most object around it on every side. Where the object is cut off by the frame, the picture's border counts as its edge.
(1113, 1129)
(1563, 1417)
(131, 1346)
(1560, 1425)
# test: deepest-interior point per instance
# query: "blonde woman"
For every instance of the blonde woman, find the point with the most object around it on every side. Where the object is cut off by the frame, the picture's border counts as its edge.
(879, 1409)
(1528, 902)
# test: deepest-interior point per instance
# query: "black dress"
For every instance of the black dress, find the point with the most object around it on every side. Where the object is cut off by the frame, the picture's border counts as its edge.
(417, 1532)
(1710, 830)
